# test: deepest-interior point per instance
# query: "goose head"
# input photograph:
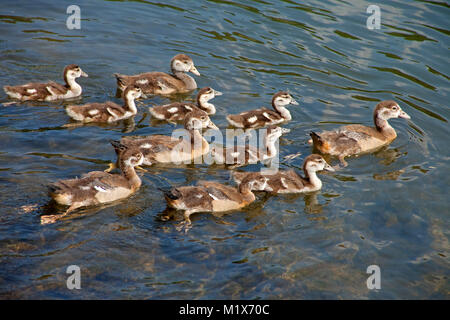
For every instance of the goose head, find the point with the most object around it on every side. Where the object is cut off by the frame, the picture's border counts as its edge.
(198, 120)
(72, 71)
(282, 98)
(204, 95)
(132, 92)
(183, 63)
(130, 157)
(389, 109)
(314, 163)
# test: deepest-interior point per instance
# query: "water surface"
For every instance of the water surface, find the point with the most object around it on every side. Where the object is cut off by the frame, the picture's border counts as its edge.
(389, 208)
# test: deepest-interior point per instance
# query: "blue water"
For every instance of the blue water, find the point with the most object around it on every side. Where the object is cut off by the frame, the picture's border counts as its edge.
(389, 208)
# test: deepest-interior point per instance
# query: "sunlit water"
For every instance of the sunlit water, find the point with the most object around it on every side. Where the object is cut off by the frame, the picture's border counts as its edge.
(390, 208)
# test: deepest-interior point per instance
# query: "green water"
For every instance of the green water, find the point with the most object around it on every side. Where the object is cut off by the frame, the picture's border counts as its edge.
(389, 208)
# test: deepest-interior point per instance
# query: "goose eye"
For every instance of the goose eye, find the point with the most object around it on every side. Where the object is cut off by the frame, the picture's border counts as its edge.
(394, 108)
(203, 118)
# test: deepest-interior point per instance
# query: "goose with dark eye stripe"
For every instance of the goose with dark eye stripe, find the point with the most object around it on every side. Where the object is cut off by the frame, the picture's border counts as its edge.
(355, 139)
(211, 196)
(167, 149)
(288, 181)
(109, 111)
(153, 83)
(49, 91)
(263, 117)
(98, 187)
(177, 111)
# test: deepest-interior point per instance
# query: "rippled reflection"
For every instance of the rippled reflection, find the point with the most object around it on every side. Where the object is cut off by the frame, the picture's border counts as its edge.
(388, 207)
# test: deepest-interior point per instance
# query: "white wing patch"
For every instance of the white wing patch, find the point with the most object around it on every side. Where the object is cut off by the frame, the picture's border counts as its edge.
(283, 182)
(31, 91)
(172, 110)
(49, 89)
(213, 197)
(252, 119)
(93, 112)
(266, 115)
(187, 107)
(142, 81)
(198, 196)
(111, 112)
(146, 146)
(100, 189)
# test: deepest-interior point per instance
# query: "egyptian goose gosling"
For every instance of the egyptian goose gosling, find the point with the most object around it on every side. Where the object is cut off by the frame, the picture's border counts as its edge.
(177, 111)
(108, 111)
(288, 181)
(210, 196)
(166, 149)
(246, 154)
(355, 139)
(49, 91)
(262, 117)
(163, 83)
(98, 187)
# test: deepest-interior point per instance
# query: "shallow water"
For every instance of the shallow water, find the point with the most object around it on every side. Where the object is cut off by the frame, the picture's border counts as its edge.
(389, 208)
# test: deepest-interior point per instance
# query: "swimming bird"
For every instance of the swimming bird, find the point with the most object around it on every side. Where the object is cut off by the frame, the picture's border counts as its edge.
(109, 111)
(239, 155)
(177, 111)
(211, 196)
(49, 91)
(97, 187)
(288, 181)
(163, 83)
(167, 149)
(263, 117)
(355, 139)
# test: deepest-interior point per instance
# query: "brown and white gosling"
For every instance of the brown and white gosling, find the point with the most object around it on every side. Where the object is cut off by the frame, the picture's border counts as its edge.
(98, 187)
(211, 196)
(163, 83)
(177, 111)
(167, 149)
(355, 139)
(243, 155)
(109, 111)
(263, 117)
(288, 181)
(49, 91)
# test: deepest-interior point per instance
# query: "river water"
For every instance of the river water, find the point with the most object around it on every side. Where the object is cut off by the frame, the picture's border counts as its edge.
(389, 208)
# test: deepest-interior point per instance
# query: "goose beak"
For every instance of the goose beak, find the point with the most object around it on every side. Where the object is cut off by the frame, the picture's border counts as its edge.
(404, 115)
(285, 130)
(211, 125)
(194, 70)
(293, 102)
(84, 74)
(329, 168)
(217, 93)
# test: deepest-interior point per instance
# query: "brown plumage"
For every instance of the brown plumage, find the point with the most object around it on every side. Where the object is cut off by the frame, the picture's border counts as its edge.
(177, 111)
(355, 139)
(262, 117)
(210, 196)
(49, 91)
(107, 111)
(240, 155)
(166, 149)
(289, 181)
(98, 187)
(163, 83)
